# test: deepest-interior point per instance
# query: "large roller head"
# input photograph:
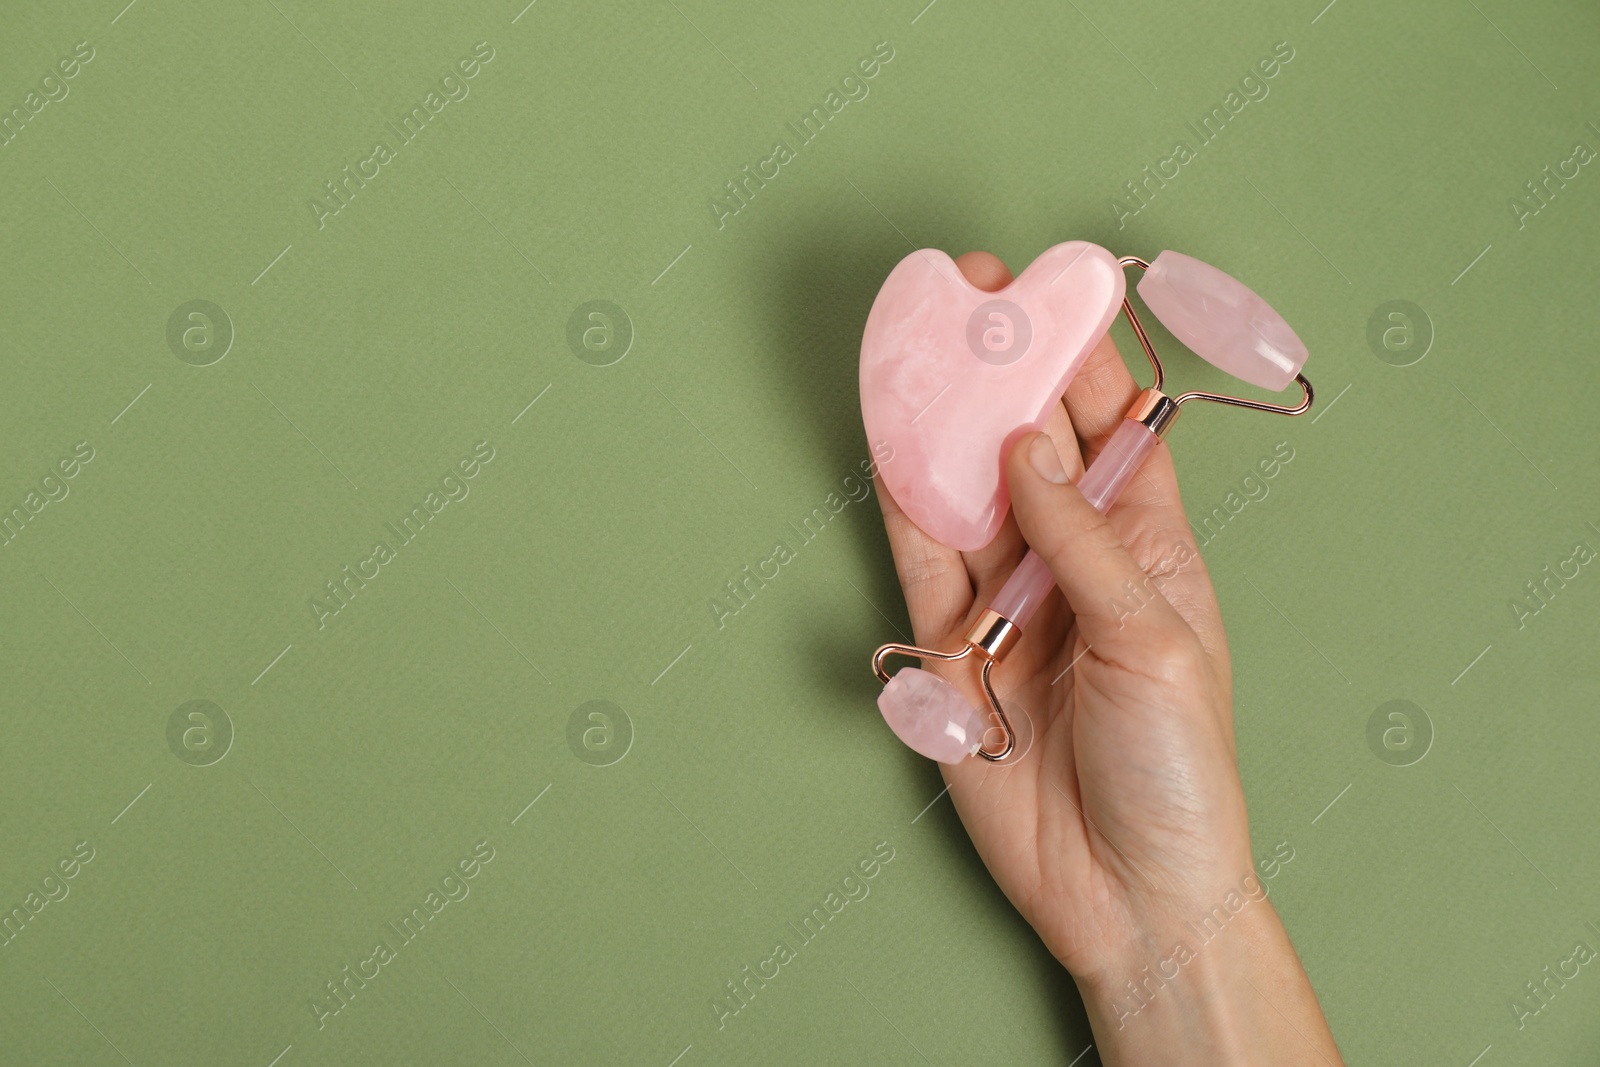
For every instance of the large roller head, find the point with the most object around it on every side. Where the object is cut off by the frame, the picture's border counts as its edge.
(1222, 321)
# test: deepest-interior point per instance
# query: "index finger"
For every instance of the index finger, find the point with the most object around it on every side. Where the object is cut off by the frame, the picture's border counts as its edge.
(933, 577)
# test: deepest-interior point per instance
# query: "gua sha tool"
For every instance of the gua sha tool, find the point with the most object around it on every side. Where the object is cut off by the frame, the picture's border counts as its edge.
(1216, 316)
(951, 374)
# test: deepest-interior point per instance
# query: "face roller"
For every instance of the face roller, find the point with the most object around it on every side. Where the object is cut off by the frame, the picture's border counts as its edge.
(1224, 323)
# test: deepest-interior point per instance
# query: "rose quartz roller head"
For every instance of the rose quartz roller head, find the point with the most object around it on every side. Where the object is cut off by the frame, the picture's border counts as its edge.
(1224, 323)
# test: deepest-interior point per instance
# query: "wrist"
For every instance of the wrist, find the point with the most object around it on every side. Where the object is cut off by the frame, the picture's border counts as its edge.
(1188, 969)
(1160, 936)
(1226, 992)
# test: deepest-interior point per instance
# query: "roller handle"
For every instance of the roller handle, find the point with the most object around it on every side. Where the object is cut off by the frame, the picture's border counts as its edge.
(1100, 485)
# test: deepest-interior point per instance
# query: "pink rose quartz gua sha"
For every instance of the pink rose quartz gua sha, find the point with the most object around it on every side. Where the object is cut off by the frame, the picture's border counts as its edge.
(1216, 316)
(952, 374)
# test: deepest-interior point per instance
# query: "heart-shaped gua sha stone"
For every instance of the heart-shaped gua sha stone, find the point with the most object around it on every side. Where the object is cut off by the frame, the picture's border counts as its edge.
(951, 375)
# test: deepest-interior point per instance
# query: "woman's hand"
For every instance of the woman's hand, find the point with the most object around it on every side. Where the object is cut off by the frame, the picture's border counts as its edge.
(1121, 835)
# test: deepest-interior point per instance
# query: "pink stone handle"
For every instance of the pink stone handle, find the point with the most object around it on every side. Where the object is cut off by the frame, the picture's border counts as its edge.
(1116, 464)
(1101, 484)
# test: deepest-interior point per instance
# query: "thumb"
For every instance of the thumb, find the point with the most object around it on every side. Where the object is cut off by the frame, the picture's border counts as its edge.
(1114, 600)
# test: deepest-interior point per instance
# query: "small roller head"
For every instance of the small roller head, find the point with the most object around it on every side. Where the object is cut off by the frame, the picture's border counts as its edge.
(931, 716)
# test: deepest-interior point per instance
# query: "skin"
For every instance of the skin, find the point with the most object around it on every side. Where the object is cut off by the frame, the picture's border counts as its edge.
(1125, 823)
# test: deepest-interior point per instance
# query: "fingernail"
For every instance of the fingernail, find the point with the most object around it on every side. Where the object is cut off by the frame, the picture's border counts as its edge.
(1042, 455)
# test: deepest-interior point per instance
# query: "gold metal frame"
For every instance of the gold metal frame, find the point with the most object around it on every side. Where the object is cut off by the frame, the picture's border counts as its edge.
(990, 638)
(1159, 411)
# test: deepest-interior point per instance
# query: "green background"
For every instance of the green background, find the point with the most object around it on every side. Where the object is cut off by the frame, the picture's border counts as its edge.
(372, 354)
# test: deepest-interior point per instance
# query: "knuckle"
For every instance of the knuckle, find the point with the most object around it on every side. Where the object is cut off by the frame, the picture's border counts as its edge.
(1161, 551)
(921, 569)
(1104, 382)
(1173, 650)
(1097, 529)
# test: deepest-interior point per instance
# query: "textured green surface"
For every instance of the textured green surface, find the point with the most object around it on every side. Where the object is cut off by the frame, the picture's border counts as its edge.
(373, 754)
